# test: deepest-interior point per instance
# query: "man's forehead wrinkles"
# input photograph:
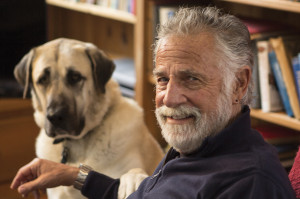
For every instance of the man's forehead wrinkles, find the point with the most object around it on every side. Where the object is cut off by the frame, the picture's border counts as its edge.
(181, 57)
(178, 73)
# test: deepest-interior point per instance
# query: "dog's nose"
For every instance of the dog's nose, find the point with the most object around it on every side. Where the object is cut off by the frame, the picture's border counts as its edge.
(57, 116)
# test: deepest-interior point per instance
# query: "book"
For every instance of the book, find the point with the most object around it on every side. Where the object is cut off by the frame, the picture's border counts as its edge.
(270, 99)
(114, 4)
(90, 1)
(283, 148)
(280, 83)
(262, 29)
(104, 3)
(255, 79)
(278, 135)
(166, 12)
(132, 6)
(161, 13)
(287, 163)
(296, 70)
(287, 73)
(287, 154)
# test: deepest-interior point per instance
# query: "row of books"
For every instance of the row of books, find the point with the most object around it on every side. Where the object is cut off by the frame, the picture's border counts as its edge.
(124, 5)
(276, 73)
(286, 142)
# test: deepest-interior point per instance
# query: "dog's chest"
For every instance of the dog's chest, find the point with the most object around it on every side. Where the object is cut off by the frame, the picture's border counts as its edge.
(90, 149)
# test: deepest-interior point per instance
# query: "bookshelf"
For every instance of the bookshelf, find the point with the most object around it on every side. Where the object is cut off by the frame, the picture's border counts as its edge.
(286, 12)
(123, 34)
(273, 4)
(277, 118)
(95, 10)
(281, 11)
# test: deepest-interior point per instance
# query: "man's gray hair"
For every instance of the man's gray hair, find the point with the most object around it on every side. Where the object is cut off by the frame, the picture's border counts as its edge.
(233, 44)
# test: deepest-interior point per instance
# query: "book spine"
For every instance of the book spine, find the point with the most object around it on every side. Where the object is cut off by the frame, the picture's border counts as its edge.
(132, 6)
(255, 79)
(287, 73)
(270, 99)
(280, 83)
(296, 69)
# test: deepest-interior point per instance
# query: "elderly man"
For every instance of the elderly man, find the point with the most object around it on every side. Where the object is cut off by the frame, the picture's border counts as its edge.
(203, 65)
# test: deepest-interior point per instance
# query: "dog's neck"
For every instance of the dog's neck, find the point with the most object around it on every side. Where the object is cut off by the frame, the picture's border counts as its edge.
(66, 147)
(65, 154)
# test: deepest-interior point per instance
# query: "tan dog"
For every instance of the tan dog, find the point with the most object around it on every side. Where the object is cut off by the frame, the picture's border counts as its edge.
(81, 113)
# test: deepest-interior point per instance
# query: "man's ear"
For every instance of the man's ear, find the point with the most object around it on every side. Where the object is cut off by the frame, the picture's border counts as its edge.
(22, 71)
(243, 78)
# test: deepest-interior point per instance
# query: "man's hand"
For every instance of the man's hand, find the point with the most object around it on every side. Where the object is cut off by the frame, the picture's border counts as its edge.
(40, 174)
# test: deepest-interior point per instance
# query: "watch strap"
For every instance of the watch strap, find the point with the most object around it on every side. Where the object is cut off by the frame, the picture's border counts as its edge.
(81, 177)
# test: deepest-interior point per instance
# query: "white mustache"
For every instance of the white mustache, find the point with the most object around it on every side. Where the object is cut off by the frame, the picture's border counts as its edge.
(179, 112)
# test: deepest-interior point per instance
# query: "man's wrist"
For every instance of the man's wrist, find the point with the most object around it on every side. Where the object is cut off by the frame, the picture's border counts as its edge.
(82, 175)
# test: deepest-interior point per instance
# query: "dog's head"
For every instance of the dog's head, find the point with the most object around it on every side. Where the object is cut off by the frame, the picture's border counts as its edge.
(66, 77)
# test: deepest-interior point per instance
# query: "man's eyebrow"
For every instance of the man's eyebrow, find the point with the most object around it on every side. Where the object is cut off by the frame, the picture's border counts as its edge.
(157, 72)
(192, 73)
(182, 72)
(188, 72)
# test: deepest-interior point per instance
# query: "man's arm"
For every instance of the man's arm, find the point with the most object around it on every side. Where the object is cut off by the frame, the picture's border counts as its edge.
(41, 174)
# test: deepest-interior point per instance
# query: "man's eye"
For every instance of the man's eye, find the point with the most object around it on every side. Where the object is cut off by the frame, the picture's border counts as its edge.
(191, 78)
(162, 80)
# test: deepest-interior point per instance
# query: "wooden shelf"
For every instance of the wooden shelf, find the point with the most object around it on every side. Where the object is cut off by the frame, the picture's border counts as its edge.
(281, 119)
(96, 10)
(283, 5)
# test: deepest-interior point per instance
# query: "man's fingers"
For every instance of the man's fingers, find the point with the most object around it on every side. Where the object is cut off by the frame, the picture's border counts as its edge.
(28, 187)
(23, 175)
(20, 179)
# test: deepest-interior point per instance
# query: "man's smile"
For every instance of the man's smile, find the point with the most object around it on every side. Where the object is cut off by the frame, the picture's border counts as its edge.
(179, 119)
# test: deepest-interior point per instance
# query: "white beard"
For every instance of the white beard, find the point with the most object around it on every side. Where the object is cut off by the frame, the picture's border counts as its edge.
(188, 138)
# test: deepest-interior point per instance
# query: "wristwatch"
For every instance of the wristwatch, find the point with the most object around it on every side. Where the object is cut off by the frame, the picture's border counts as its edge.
(83, 172)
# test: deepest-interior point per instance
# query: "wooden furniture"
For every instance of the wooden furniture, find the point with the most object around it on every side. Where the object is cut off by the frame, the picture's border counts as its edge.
(285, 12)
(18, 132)
(124, 34)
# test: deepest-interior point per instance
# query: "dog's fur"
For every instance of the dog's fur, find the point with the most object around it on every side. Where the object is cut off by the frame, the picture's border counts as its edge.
(76, 101)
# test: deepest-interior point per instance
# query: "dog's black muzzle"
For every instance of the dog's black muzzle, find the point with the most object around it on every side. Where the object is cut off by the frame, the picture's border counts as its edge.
(62, 120)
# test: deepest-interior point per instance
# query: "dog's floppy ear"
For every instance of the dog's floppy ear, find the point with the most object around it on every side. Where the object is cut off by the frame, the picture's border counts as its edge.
(102, 67)
(22, 71)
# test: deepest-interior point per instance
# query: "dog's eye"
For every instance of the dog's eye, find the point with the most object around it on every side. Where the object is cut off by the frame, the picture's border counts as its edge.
(74, 77)
(44, 79)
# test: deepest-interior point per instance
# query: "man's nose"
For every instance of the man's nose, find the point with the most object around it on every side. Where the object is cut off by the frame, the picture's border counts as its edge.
(174, 95)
